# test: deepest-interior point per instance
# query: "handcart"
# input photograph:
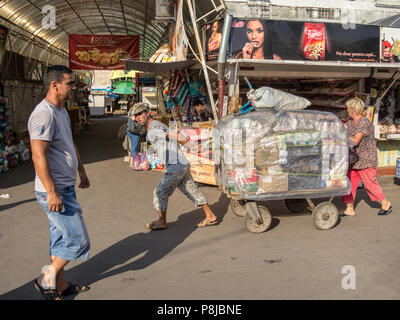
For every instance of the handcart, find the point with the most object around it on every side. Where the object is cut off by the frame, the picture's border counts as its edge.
(258, 218)
(291, 155)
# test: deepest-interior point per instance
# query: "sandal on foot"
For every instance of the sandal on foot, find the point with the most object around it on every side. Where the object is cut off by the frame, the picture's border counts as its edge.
(382, 212)
(49, 294)
(74, 289)
(346, 215)
(155, 225)
(206, 223)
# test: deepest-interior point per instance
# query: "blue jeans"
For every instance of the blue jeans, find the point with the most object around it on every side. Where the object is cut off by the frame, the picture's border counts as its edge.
(135, 142)
(69, 239)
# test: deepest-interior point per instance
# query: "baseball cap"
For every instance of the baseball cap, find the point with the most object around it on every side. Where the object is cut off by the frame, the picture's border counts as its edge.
(138, 107)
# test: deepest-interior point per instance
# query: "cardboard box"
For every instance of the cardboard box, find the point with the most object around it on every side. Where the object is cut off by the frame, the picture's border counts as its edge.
(204, 124)
(241, 156)
(272, 183)
(202, 169)
(246, 178)
(203, 173)
(266, 157)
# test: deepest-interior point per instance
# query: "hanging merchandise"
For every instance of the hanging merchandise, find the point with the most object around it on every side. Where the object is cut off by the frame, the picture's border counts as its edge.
(163, 54)
(197, 89)
(5, 123)
(179, 39)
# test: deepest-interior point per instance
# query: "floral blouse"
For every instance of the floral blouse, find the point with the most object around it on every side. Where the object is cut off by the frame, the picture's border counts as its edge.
(366, 149)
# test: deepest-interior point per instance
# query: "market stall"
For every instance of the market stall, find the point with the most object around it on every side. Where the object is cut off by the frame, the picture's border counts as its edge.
(322, 62)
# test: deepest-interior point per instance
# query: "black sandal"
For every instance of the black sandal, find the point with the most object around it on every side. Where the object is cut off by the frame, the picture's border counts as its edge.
(382, 212)
(49, 294)
(74, 289)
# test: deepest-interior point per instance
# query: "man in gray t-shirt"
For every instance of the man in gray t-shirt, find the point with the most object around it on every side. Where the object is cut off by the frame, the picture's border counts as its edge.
(177, 169)
(56, 161)
(48, 123)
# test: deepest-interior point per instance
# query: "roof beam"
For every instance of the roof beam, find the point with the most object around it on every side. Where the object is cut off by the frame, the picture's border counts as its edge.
(145, 24)
(39, 9)
(123, 13)
(78, 15)
(101, 13)
(4, 3)
(24, 37)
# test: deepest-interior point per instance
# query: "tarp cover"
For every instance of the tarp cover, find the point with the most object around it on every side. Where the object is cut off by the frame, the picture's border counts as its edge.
(266, 155)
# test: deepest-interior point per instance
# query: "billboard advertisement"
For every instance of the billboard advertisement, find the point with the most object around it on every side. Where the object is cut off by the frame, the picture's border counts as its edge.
(101, 52)
(390, 45)
(295, 40)
(213, 39)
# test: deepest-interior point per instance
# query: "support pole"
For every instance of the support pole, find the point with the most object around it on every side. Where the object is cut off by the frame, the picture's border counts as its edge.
(221, 62)
(203, 61)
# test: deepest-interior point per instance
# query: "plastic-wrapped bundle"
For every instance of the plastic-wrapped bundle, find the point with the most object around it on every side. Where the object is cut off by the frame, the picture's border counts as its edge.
(266, 155)
(266, 97)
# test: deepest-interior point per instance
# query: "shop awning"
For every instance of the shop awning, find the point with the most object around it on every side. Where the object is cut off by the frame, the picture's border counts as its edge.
(123, 87)
(153, 67)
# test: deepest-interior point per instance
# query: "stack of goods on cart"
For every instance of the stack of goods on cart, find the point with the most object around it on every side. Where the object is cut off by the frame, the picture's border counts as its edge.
(278, 152)
(389, 118)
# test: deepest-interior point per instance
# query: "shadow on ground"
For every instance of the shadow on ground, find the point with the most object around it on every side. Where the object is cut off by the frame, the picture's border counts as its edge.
(149, 247)
(15, 204)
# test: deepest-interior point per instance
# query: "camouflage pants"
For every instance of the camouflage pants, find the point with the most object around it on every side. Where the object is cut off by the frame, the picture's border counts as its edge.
(169, 182)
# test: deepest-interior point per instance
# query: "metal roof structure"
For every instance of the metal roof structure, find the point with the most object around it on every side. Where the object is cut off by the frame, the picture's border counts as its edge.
(28, 37)
(393, 21)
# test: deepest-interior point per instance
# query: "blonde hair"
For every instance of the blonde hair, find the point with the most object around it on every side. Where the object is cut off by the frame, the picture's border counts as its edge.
(356, 105)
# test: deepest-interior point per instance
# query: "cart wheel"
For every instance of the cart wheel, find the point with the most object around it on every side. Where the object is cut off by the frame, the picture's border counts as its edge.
(296, 205)
(252, 225)
(325, 216)
(238, 208)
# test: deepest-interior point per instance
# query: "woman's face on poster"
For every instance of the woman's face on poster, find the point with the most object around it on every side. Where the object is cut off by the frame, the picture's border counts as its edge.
(255, 33)
(215, 27)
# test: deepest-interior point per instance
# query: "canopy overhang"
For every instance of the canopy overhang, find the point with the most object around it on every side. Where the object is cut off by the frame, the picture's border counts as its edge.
(162, 67)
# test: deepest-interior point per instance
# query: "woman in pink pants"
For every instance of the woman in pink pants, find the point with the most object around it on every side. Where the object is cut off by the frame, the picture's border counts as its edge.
(361, 132)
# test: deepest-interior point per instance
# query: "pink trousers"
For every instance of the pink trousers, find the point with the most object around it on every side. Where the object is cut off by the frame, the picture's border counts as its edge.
(371, 185)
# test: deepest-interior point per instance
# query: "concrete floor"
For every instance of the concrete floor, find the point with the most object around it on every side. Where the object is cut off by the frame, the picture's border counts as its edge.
(292, 260)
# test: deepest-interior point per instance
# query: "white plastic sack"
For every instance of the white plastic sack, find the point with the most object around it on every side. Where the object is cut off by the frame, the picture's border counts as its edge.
(179, 38)
(266, 97)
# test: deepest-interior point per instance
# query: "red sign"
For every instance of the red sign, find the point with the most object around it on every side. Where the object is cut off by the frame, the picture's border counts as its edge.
(101, 52)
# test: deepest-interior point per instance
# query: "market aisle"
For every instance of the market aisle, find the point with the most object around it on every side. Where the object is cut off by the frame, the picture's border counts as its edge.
(292, 260)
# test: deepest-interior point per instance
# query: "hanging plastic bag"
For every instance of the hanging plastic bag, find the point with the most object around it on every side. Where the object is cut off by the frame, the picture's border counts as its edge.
(140, 162)
(266, 97)
(179, 38)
